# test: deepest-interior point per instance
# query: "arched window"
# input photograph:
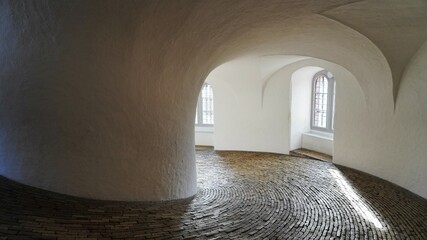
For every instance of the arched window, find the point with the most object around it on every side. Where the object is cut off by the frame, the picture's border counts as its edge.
(205, 107)
(323, 102)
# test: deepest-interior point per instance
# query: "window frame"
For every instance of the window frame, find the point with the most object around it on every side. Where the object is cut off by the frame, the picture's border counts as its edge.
(199, 109)
(330, 102)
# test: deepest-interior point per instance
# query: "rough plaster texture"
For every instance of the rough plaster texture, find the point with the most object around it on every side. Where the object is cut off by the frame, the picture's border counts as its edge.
(97, 98)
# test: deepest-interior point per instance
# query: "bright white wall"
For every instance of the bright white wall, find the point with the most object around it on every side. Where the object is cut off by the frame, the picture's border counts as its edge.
(301, 86)
(110, 114)
(204, 136)
(392, 147)
(318, 143)
(249, 115)
(253, 112)
(253, 106)
(301, 100)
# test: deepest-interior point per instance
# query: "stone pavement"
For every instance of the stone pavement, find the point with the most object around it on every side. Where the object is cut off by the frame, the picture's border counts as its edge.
(242, 195)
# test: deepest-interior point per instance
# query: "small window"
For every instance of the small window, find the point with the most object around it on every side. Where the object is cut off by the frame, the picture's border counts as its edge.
(323, 102)
(205, 107)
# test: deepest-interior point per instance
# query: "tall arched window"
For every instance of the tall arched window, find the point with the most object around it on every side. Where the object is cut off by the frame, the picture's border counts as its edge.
(323, 102)
(205, 107)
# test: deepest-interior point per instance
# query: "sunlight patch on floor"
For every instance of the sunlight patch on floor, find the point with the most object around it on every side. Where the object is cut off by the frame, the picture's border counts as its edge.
(356, 201)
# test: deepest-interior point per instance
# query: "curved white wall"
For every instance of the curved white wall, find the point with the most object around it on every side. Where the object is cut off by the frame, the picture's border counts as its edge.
(249, 114)
(391, 147)
(301, 87)
(253, 113)
(85, 109)
(205, 136)
(97, 98)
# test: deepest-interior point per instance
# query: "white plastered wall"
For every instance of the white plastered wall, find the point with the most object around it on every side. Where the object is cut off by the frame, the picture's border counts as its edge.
(394, 148)
(253, 115)
(302, 136)
(253, 110)
(249, 114)
(301, 85)
(98, 98)
(204, 136)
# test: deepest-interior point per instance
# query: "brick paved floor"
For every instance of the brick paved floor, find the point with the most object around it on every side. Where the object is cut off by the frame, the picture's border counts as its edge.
(241, 196)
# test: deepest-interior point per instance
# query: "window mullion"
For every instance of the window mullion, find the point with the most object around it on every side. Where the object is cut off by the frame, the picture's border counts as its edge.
(322, 101)
(330, 99)
(204, 107)
(313, 103)
(200, 110)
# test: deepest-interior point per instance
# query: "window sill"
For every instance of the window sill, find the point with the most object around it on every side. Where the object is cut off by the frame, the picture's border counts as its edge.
(322, 135)
(204, 129)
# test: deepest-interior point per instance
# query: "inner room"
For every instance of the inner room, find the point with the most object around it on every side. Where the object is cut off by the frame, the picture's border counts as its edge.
(214, 119)
(273, 104)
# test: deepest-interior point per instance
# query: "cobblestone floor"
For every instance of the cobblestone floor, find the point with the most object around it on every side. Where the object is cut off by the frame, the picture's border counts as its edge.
(241, 196)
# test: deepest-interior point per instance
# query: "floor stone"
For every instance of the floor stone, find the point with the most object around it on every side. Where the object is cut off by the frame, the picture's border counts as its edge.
(242, 195)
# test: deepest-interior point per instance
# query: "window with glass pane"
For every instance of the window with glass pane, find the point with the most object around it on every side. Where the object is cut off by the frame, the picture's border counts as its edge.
(197, 113)
(323, 102)
(205, 107)
(207, 100)
(320, 101)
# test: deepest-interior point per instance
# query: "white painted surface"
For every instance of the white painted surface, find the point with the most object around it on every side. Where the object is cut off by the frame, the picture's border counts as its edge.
(88, 110)
(251, 115)
(318, 143)
(265, 122)
(301, 94)
(392, 147)
(98, 101)
(301, 103)
(204, 136)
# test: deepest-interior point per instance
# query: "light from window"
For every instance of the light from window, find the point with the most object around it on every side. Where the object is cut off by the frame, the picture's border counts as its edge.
(205, 107)
(320, 101)
(323, 102)
(333, 107)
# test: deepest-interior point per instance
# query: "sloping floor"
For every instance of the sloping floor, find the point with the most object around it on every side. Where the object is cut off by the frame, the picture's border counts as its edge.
(306, 153)
(242, 195)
